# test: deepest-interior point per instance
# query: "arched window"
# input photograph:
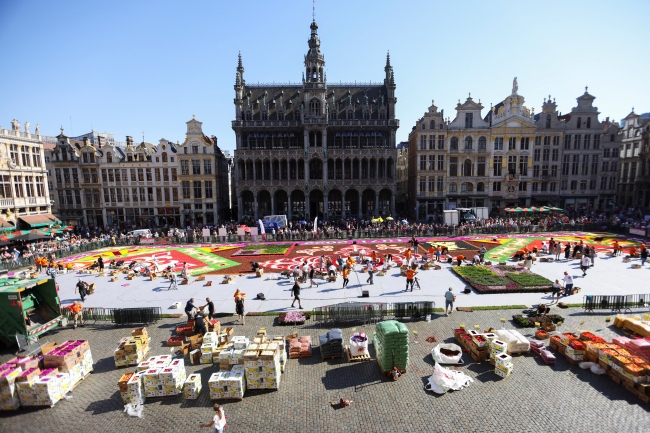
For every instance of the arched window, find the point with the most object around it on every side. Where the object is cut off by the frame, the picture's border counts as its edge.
(454, 143)
(579, 122)
(109, 157)
(480, 187)
(424, 126)
(463, 187)
(314, 107)
(482, 143)
(248, 115)
(164, 157)
(588, 122)
(468, 142)
(432, 124)
(453, 187)
(548, 121)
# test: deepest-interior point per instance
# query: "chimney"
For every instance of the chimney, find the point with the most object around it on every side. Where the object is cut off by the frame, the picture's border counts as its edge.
(129, 140)
(99, 142)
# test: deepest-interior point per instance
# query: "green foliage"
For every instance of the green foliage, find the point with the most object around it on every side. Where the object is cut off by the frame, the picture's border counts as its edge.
(527, 280)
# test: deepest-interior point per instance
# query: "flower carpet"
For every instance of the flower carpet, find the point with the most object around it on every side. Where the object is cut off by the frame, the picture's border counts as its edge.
(234, 258)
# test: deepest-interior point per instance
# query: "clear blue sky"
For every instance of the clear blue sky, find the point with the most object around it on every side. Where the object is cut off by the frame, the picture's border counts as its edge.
(131, 66)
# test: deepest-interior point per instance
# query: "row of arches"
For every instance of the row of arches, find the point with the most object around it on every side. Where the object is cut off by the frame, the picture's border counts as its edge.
(335, 140)
(337, 168)
(336, 203)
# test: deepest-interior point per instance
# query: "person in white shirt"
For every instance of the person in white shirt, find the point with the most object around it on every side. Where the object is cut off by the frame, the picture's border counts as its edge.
(218, 420)
(371, 270)
(584, 264)
(568, 284)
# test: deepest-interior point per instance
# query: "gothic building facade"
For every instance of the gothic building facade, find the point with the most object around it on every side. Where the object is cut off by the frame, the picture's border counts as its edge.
(315, 149)
(634, 183)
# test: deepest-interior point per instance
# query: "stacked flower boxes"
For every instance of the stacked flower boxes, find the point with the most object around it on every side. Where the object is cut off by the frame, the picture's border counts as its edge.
(498, 352)
(262, 367)
(624, 360)
(192, 387)
(226, 385)
(43, 380)
(132, 350)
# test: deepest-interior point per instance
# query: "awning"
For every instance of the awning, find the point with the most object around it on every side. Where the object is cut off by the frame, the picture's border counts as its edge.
(6, 225)
(43, 220)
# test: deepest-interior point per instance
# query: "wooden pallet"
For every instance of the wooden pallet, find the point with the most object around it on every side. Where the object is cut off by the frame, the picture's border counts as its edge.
(519, 353)
(385, 372)
(165, 396)
(358, 358)
(332, 356)
(80, 380)
(225, 400)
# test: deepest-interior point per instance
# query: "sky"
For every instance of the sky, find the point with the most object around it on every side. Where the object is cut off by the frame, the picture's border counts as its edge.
(128, 67)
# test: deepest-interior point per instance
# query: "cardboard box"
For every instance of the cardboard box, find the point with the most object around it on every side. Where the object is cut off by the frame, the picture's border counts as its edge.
(27, 363)
(28, 375)
(124, 380)
(47, 348)
(140, 331)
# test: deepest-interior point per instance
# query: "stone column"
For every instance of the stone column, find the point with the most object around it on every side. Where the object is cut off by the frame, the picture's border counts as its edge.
(392, 204)
(307, 206)
(273, 212)
(376, 204)
(325, 205)
(255, 206)
(289, 207)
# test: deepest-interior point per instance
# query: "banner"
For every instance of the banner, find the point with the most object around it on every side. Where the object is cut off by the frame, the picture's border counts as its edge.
(638, 232)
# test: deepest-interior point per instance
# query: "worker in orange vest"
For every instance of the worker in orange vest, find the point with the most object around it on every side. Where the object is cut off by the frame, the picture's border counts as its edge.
(76, 308)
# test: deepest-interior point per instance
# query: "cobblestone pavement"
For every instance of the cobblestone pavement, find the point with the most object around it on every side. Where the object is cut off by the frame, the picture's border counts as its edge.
(537, 397)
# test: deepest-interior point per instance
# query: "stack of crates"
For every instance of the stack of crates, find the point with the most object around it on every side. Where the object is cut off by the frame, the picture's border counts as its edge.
(192, 387)
(9, 399)
(132, 350)
(135, 389)
(228, 384)
(499, 354)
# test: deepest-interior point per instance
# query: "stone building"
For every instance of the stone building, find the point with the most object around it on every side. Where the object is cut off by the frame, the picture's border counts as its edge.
(634, 181)
(315, 149)
(512, 157)
(24, 197)
(402, 173)
(126, 185)
(203, 178)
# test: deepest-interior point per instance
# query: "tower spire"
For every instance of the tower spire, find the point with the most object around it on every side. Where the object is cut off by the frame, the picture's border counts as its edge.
(314, 60)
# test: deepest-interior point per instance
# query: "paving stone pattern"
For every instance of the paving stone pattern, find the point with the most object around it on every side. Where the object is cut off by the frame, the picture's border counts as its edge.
(536, 397)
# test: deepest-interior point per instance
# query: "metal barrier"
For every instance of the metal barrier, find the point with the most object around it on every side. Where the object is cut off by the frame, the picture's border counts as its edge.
(350, 312)
(413, 310)
(91, 314)
(615, 303)
(144, 316)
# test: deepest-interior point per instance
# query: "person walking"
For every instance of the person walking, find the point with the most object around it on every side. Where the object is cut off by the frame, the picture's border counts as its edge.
(584, 264)
(100, 262)
(81, 288)
(371, 271)
(189, 308)
(410, 279)
(567, 251)
(346, 275)
(449, 302)
(481, 253)
(218, 420)
(295, 291)
(558, 251)
(311, 277)
(239, 309)
(76, 309)
(568, 284)
(644, 256)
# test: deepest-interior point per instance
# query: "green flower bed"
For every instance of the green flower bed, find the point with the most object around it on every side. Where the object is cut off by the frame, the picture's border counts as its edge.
(263, 249)
(488, 280)
(528, 280)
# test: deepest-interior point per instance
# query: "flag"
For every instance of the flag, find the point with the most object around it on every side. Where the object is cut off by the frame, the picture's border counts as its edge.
(315, 224)
(261, 227)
